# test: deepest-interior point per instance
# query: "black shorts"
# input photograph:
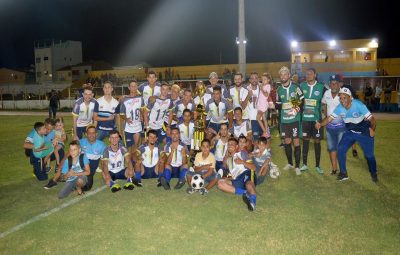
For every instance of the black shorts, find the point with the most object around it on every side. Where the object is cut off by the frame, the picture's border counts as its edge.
(290, 130)
(309, 130)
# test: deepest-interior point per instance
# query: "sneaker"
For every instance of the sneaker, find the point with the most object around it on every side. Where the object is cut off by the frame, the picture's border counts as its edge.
(203, 191)
(342, 177)
(304, 168)
(50, 185)
(47, 169)
(297, 170)
(250, 206)
(288, 167)
(115, 187)
(129, 186)
(319, 170)
(56, 169)
(164, 183)
(159, 184)
(190, 190)
(355, 153)
(333, 172)
(179, 184)
(137, 183)
(374, 178)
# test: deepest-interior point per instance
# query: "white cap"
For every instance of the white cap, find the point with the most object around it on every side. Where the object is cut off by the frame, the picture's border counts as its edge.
(213, 75)
(345, 91)
(284, 69)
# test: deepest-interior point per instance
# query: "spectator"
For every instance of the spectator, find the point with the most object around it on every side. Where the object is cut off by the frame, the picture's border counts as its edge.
(54, 104)
(368, 93)
(377, 99)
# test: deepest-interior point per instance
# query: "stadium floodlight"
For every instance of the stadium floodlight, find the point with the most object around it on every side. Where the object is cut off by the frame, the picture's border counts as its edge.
(294, 44)
(237, 41)
(332, 43)
(373, 43)
(244, 41)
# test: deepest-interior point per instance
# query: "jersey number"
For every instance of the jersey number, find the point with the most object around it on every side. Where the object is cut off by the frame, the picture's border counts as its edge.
(136, 115)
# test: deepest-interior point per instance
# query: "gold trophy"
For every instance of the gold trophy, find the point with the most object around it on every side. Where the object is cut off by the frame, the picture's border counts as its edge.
(199, 123)
(296, 102)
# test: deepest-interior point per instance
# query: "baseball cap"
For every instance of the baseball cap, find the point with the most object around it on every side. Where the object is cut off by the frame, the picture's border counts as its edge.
(213, 75)
(334, 77)
(345, 91)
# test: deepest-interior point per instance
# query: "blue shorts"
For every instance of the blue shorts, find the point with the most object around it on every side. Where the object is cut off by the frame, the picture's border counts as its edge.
(118, 176)
(215, 126)
(219, 165)
(202, 172)
(256, 129)
(175, 171)
(80, 131)
(160, 135)
(101, 134)
(129, 139)
(242, 179)
(149, 172)
(333, 137)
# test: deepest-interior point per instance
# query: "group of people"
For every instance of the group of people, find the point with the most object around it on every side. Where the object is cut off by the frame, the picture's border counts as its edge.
(150, 134)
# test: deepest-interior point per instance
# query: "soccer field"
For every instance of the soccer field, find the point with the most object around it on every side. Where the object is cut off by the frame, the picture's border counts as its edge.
(307, 214)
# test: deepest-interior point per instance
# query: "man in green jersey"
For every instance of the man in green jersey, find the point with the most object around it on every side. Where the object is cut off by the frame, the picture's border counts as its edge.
(289, 102)
(313, 92)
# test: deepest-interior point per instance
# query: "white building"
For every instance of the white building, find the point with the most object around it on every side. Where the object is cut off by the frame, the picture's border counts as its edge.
(51, 55)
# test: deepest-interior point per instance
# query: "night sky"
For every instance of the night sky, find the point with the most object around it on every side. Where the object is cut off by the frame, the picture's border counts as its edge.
(189, 32)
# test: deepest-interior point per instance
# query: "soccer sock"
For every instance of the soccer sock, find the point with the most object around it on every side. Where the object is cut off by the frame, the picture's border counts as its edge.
(306, 145)
(239, 191)
(167, 174)
(138, 176)
(317, 148)
(253, 198)
(288, 150)
(297, 153)
(129, 179)
(182, 174)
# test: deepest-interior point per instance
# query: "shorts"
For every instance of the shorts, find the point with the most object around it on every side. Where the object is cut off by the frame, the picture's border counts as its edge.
(70, 186)
(333, 137)
(118, 176)
(129, 139)
(202, 172)
(309, 130)
(256, 129)
(80, 131)
(215, 126)
(161, 135)
(243, 178)
(290, 130)
(175, 171)
(149, 172)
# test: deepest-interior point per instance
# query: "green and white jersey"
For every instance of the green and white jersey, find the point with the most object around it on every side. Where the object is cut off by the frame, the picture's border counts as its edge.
(285, 95)
(312, 100)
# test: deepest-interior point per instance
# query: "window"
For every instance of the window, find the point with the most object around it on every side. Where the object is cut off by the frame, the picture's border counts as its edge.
(37, 60)
(46, 58)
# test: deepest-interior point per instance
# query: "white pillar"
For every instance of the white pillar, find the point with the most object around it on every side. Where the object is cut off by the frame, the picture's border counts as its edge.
(242, 38)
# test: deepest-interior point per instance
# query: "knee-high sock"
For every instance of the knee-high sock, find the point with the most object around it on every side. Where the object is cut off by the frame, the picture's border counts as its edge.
(317, 148)
(182, 174)
(138, 176)
(288, 150)
(306, 145)
(167, 174)
(297, 154)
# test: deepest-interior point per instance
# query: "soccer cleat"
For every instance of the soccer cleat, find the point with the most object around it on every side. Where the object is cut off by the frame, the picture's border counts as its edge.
(203, 191)
(129, 186)
(250, 206)
(48, 169)
(164, 183)
(374, 178)
(355, 153)
(179, 184)
(190, 190)
(297, 170)
(137, 183)
(342, 177)
(50, 185)
(333, 172)
(115, 187)
(319, 170)
(288, 167)
(304, 168)
(159, 184)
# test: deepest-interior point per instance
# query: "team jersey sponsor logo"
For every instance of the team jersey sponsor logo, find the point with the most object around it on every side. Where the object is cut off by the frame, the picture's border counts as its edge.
(292, 94)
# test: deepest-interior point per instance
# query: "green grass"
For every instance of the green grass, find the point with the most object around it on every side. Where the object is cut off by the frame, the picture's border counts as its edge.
(307, 214)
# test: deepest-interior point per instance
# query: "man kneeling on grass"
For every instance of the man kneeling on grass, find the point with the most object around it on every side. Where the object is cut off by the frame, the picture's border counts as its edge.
(115, 158)
(76, 169)
(241, 169)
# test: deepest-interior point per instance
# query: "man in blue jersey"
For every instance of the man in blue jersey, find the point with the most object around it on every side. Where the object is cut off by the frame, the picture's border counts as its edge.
(360, 125)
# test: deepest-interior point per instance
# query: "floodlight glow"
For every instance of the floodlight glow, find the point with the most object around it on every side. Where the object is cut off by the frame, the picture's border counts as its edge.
(341, 51)
(373, 43)
(362, 49)
(294, 44)
(332, 43)
(245, 41)
(320, 53)
(237, 41)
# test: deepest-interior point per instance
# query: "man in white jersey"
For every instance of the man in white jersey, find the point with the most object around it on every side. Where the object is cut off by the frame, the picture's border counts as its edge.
(83, 112)
(185, 103)
(220, 145)
(241, 126)
(151, 88)
(239, 94)
(213, 78)
(117, 164)
(105, 117)
(254, 90)
(186, 128)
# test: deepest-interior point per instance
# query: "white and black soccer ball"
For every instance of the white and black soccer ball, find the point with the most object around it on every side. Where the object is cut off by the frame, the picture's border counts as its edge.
(274, 172)
(197, 181)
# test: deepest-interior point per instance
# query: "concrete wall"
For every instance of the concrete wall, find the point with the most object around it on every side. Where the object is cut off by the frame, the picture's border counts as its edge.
(32, 104)
(38, 89)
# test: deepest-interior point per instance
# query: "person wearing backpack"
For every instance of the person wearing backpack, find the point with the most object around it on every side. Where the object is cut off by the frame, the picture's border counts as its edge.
(76, 169)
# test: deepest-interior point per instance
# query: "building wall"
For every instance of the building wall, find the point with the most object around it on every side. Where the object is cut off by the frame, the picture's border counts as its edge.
(9, 76)
(390, 65)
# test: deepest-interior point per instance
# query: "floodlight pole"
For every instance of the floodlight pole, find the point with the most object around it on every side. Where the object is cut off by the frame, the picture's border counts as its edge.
(242, 39)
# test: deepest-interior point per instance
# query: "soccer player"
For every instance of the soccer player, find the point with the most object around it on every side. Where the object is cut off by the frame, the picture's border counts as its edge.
(131, 111)
(239, 94)
(313, 92)
(290, 117)
(336, 128)
(105, 117)
(76, 169)
(220, 146)
(261, 159)
(175, 90)
(176, 162)
(156, 111)
(148, 160)
(240, 167)
(240, 126)
(252, 97)
(204, 164)
(93, 149)
(114, 161)
(83, 112)
(186, 128)
(360, 125)
(219, 111)
(213, 78)
(151, 88)
(185, 103)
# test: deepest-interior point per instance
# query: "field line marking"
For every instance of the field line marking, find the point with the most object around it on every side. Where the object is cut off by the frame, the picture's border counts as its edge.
(47, 213)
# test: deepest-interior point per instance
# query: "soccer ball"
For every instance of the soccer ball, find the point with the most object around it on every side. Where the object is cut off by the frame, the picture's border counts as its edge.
(197, 181)
(274, 172)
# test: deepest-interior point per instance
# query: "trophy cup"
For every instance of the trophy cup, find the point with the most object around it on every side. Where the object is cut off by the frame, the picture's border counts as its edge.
(296, 102)
(199, 123)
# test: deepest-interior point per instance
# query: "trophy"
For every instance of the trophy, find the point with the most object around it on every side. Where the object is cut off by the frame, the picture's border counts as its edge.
(296, 102)
(199, 123)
